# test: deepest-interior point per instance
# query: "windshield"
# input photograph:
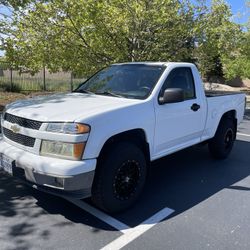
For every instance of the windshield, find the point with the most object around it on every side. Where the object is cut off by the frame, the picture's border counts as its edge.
(127, 80)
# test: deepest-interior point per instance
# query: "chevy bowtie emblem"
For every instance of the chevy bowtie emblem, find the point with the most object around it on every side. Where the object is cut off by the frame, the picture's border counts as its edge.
(15, 128)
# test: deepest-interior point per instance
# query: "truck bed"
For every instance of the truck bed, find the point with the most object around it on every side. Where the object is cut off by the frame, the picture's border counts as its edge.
(215, 93)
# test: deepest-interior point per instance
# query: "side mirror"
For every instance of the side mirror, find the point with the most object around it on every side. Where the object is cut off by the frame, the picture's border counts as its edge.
(172, 95)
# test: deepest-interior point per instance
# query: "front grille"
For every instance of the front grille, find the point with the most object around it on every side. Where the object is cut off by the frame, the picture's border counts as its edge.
(23, 122)
(19, 138)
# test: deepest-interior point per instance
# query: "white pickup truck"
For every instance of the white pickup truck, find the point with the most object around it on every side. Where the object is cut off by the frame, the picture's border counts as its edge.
(99, 140)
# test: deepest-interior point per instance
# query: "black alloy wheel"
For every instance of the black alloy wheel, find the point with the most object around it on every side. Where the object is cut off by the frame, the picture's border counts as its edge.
(221, 145)
(126, 180)
(120, 177)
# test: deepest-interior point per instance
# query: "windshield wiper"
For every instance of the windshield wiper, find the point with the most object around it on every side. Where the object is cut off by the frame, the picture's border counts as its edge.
(108, 93)
(83, 91)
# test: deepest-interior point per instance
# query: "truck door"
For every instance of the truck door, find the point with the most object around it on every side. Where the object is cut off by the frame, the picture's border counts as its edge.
(178, 125)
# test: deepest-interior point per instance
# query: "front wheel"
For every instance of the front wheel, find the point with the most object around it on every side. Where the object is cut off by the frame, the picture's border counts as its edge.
(221, 145)
(120, 177)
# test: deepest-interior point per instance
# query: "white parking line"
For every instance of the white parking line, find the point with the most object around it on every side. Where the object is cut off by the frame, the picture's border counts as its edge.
(89, 209)
(243, 134)
(129, 234)
(99, 214)
(133, 233)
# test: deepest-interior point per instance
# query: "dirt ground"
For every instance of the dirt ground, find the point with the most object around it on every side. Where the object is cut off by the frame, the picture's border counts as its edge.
(223, 87)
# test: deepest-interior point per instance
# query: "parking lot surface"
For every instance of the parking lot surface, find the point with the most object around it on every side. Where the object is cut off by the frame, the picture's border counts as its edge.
(190, 202)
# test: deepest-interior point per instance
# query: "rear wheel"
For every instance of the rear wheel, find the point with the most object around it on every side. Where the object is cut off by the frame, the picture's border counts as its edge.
(222, 143)
(120, 177)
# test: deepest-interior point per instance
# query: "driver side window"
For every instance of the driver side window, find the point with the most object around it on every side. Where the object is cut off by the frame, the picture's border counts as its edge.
(181, 78)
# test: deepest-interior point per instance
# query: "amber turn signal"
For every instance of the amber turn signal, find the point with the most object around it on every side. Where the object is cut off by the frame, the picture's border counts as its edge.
(82, 128)
(78, 150)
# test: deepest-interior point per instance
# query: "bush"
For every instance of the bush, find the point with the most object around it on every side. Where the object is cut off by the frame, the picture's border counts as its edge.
(7, 87)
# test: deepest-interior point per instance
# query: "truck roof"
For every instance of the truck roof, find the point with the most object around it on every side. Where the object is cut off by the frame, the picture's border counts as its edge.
(155, 63)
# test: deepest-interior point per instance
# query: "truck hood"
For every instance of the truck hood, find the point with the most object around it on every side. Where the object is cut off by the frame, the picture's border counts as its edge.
(66, 107)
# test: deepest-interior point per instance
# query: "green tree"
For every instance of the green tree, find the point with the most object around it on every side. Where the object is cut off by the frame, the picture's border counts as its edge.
(85, 35)
(217, 36)
(7, 8)
(237, 61)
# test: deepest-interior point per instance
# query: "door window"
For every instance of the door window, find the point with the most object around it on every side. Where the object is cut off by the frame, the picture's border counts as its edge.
(181, 78)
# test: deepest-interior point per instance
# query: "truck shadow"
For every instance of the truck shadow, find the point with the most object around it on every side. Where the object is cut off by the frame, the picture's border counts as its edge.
(247, 114)
(185, 179)
(17, 214)
(179, 181)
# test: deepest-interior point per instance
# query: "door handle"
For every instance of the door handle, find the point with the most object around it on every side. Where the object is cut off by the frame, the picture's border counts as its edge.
(195, 107)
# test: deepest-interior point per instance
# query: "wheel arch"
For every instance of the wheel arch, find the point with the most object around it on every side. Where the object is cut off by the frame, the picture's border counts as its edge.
(231, 114)
(135, 136)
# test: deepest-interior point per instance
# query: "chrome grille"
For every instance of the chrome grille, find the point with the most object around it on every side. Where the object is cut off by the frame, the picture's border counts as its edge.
(19, 138)
(23, 122)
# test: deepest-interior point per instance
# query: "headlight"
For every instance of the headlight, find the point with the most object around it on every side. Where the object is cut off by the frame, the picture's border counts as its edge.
(68, 128)
(71, 151)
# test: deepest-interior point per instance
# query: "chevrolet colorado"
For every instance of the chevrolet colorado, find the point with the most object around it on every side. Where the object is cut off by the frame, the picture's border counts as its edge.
(99, 140)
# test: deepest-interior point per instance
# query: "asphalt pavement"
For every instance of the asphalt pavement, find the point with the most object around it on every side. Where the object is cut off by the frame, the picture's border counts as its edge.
(190, 202)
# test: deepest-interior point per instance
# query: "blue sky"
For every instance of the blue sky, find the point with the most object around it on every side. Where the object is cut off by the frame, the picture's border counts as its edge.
(239, 7)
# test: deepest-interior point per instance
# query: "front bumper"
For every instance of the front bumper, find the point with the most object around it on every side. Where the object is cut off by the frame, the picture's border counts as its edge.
(67, 177)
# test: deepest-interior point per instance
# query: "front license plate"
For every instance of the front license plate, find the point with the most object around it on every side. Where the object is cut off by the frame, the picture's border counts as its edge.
(6, 163)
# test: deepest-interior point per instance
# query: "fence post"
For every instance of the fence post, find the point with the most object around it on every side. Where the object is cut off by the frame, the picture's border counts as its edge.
(11, 79)
(71, 81)
(44, 79)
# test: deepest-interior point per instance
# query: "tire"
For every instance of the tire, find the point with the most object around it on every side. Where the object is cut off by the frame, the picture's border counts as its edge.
(221, 145)
(120, 177)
